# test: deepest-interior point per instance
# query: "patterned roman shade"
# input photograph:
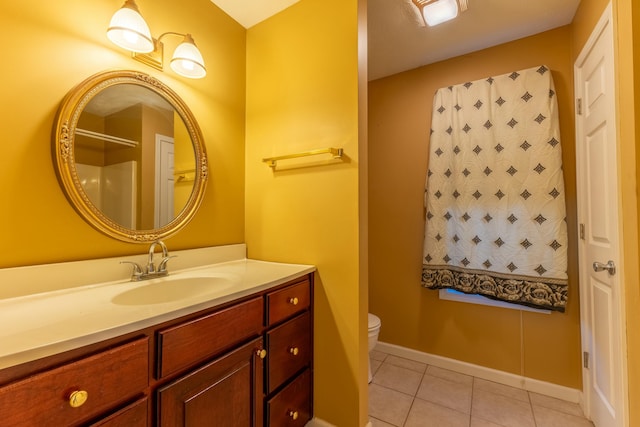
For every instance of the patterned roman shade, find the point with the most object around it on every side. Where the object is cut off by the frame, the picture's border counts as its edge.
(495, 202)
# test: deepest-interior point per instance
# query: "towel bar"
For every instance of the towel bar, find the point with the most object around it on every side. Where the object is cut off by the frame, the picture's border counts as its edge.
(335, 152)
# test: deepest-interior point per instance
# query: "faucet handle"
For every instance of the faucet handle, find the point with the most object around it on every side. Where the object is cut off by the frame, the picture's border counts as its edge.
(162, 267)
(137, 270)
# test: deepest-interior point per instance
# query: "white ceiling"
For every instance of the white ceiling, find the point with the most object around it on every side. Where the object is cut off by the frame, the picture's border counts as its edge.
(399, 40)
(249, 12)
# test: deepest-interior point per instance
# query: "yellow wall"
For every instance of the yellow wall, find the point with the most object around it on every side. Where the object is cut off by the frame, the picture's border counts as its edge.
(540, 346)
(55, 45)
(302, 94)
(633, 284)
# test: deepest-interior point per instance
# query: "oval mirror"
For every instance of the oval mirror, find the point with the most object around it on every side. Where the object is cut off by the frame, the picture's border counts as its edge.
(130, 156)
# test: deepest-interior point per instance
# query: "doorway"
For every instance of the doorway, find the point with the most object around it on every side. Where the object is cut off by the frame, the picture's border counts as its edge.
(600, 251)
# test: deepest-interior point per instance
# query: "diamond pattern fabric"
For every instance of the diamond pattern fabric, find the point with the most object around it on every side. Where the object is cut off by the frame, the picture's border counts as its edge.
(495, 203)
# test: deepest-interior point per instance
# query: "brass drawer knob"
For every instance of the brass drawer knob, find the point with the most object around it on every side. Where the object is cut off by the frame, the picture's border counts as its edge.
(77, 398)
(293, 415)
(294, 351)
(293, 301)
(262, 353)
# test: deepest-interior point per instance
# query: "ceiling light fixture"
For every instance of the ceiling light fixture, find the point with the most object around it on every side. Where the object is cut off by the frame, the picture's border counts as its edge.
(435, 12)
(129, 30)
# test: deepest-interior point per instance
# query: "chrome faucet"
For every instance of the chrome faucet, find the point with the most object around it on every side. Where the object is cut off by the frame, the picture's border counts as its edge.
(151, 267)
(151, 271)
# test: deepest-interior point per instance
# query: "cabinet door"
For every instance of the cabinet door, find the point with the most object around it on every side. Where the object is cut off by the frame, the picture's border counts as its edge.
(226, 392)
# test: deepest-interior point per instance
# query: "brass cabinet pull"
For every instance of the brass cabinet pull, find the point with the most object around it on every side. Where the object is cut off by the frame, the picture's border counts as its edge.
(78, 398)
(293, 414)
(262, 353)
(293, 301)
(294, 351)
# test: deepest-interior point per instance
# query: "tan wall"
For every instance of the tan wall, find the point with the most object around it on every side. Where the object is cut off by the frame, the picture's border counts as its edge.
(54, 46)
(585, 19)
(302, 94)
(540, 346)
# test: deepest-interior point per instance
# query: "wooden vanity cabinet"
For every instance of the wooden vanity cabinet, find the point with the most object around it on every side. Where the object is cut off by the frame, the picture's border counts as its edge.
(265, 382)
(247, 363)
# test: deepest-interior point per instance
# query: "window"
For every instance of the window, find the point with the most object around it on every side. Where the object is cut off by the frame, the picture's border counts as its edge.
(453, 295)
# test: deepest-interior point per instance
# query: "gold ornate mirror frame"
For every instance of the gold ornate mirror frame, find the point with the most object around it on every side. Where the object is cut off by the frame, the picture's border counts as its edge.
(65, 163)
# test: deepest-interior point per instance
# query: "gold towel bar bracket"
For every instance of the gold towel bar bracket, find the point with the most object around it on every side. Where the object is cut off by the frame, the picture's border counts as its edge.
(337, 153)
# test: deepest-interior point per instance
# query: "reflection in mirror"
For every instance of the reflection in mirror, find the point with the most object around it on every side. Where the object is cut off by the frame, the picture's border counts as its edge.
(134, 157)
(129, 155)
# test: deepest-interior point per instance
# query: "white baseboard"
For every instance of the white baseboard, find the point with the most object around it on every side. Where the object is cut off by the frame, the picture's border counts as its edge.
(506, 378)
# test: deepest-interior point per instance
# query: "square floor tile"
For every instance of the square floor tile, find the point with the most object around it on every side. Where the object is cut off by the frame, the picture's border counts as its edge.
(446, 374)
(501, 410)
(446, 393)
(427, 414)
(557, 404)
(377, 355)
(546, 417)
(375, 364)
(388, 405)
(501, 389)
(397, 378)
(406, 363)
(379, 423)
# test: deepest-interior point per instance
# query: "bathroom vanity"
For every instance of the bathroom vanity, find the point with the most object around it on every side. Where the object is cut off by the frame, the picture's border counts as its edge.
(207, 338)
(239, 356)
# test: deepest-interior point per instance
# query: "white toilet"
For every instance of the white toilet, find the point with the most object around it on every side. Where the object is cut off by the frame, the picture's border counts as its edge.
(374, 330)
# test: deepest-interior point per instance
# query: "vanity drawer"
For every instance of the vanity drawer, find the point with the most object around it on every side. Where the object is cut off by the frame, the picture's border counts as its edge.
(133, 415)
(292, 406)
(189, 343)
(288, 350)
(109, 378)
(285, 302)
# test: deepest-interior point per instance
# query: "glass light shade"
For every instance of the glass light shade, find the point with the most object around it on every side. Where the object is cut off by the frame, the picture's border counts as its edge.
(187, 60)
(440, 11)
(129, 30)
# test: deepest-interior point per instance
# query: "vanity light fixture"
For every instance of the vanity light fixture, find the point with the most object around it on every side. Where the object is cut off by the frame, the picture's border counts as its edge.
(129, 30)
(436, 12)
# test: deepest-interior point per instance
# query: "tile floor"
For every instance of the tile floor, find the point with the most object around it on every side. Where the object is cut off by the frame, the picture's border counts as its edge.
(405, 393)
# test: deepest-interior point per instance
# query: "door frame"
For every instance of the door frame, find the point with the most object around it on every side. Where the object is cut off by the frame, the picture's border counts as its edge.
(605, 23)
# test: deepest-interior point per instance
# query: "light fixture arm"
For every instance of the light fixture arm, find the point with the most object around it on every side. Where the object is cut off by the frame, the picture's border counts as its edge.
(169, 33)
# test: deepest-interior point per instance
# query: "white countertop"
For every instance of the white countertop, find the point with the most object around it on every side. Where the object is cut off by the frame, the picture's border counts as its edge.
(42, 324)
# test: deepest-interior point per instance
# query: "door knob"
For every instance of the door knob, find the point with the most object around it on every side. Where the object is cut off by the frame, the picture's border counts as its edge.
(609, 266)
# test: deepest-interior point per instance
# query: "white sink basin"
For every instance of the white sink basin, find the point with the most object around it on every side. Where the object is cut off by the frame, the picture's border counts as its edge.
(173, 288)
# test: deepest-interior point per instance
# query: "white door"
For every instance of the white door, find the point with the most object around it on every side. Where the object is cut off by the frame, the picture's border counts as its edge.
(164, 181)
(601, 305)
